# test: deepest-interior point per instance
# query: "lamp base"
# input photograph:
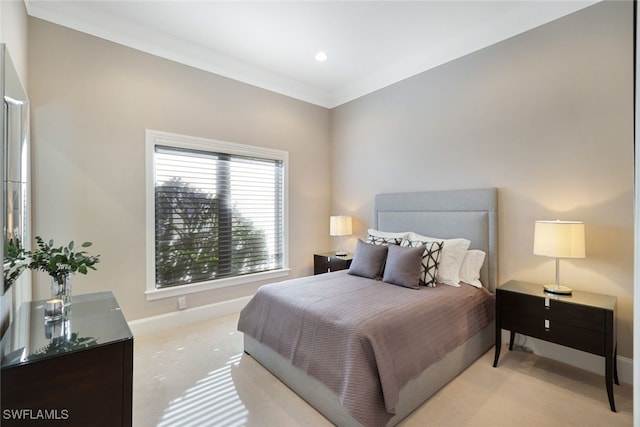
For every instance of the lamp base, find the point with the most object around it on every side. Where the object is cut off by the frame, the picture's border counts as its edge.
(341, 253)
(559, 290)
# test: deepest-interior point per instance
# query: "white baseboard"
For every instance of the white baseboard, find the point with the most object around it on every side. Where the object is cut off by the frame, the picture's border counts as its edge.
(177, 319)
(577, 358)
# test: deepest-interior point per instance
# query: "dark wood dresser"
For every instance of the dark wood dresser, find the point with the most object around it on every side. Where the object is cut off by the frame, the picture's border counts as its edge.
(77, 371)
(585, 321)
(327, 262)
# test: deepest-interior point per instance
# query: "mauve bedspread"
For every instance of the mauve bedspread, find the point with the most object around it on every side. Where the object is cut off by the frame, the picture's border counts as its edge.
(364, 339)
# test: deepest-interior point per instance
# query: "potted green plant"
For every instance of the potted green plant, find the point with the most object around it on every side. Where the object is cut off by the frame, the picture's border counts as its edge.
(60, 262)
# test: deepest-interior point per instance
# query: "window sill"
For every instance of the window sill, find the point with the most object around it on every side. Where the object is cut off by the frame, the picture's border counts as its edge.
(175, 291)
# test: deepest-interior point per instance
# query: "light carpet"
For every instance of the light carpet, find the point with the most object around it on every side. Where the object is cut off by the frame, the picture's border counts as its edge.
(199, 376)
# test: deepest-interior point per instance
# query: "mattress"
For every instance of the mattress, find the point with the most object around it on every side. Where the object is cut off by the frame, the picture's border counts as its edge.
(364, 339)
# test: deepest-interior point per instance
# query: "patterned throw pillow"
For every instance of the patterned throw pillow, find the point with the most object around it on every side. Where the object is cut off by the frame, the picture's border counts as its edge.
(430, 259)
(451, 257)
(385, 238)
(383, 241)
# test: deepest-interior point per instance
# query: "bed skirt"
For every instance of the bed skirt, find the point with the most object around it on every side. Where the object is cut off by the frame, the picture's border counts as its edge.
(414, 394)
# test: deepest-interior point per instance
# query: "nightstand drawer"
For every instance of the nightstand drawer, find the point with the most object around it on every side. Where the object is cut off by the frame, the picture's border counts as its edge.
(555, 331)
(581, 316)
(323, 263)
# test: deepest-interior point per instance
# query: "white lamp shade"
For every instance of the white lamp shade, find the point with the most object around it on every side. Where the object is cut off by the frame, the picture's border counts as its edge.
(559, 239)
(340, 225)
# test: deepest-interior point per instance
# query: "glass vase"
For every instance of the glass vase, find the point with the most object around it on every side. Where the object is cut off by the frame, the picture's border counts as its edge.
(61, 289)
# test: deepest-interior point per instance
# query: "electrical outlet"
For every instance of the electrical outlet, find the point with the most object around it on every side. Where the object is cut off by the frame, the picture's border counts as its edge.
(182, 303)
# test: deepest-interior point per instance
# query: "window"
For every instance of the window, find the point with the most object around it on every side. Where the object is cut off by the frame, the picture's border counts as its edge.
(216, 214)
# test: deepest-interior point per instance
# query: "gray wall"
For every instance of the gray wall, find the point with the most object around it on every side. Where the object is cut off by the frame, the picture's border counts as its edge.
(91, 103)
(546, 116)
(13, 32)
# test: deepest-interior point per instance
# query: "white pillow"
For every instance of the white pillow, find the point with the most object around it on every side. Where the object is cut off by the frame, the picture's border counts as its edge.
(470, 268)
(451, 257)
(377, 237)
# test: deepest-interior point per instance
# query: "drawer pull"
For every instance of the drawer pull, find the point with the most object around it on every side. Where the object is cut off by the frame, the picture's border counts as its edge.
(547, 303)
(328, 259)
(547, 325)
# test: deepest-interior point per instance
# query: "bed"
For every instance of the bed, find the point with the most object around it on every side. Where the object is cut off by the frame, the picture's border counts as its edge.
(351, 368)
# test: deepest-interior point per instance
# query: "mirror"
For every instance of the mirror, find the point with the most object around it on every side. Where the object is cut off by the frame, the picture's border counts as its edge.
(15, 149)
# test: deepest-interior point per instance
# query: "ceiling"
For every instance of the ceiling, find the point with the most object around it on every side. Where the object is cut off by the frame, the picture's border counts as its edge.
(369, 44)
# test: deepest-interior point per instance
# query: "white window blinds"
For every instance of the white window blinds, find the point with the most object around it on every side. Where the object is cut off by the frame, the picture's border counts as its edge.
(216, 215)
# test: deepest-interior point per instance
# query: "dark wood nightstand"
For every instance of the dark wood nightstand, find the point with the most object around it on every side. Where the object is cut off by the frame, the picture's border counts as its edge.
(78, 370)
(328, 261)
(585, 321)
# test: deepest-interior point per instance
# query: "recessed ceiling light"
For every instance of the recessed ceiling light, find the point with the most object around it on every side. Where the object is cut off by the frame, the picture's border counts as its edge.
(321, 56)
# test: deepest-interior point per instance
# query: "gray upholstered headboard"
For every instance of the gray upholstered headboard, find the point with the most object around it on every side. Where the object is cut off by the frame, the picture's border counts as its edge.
(471, 214)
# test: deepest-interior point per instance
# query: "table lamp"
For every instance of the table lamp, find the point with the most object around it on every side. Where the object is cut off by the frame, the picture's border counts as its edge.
(559, 239)
(340, 225)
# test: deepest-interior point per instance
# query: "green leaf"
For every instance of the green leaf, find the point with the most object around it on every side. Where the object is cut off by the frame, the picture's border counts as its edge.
(56, 261)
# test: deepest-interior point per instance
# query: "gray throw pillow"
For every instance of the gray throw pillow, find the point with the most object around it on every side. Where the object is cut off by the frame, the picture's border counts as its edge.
(368, 260)
(403, 266)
